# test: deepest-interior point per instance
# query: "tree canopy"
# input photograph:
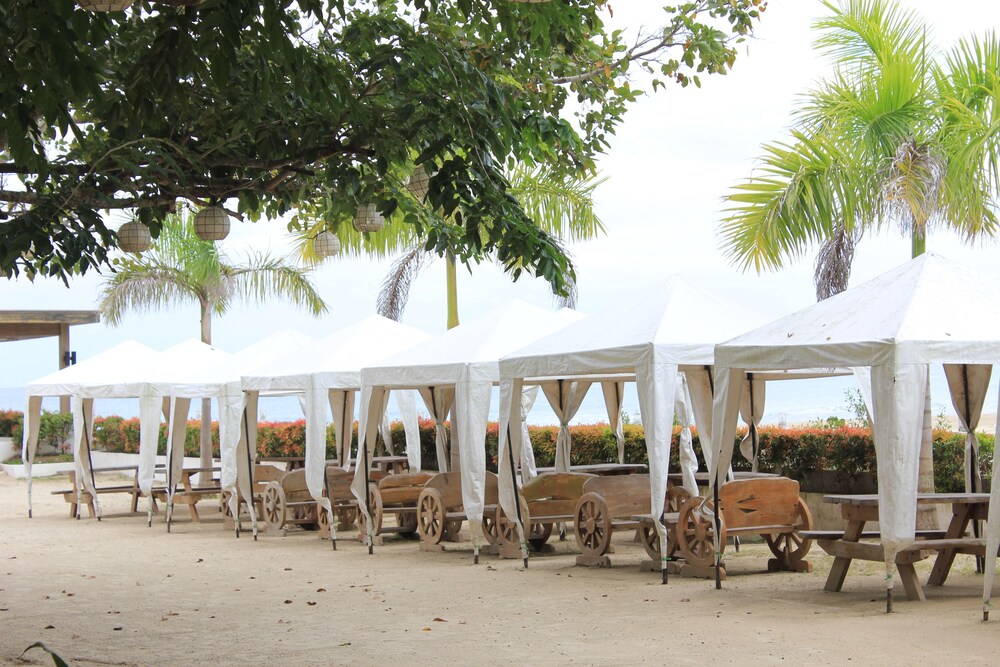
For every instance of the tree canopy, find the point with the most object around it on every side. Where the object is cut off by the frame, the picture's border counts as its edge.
(316, 107)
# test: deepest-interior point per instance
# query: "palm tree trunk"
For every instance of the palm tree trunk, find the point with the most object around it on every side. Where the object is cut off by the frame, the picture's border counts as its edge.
(926, 517)
(205, 439)
(451, 275)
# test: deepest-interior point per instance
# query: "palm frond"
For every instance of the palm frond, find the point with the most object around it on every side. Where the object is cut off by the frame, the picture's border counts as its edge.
(870, 33)
(263, 277)
(395, 292)
(833, 263)
(558, 204)
(144, 287)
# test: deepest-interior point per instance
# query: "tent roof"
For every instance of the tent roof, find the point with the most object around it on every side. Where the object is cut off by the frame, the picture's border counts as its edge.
(254, 356)
(114, 362)
(475, 346)
(335, 362)
(680, 321)
(901, 316)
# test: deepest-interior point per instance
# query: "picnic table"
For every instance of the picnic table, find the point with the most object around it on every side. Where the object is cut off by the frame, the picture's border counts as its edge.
(858, 510)
(75, 495)
(389, 464)
(189, 494)
(604, 469)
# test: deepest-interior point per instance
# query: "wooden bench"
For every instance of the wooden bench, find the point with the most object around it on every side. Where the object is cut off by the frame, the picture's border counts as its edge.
(397, 494)
(191, 495)
(770, 507)
(440, 510)
(608, 504)
(342, 500)
(72, 496)
(287, 502)
(868, 534)
(546, 500)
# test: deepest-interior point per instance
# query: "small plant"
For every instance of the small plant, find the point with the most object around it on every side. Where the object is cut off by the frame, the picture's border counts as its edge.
(10, 423)
(57, 660)
(856, 405)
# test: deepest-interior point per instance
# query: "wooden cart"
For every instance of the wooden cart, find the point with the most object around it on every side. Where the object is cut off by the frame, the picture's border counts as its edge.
(395, 494)
(608, 504)
(440, 509)
(262, 474)
(546, 500)
(769, 507)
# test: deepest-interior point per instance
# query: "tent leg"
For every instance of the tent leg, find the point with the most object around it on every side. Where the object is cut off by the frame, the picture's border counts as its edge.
(475, 557)
(333, 541)
(888, 600)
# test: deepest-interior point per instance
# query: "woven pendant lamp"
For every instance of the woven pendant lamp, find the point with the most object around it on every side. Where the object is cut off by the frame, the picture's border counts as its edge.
(368, 219)
(104, 5)
(134, 237)
(326, 244)
(211, 223)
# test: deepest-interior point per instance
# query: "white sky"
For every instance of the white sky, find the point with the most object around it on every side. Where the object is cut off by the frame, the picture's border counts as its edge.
(673, 158)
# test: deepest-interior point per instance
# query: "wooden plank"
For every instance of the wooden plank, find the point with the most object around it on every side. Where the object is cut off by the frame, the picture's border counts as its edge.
(50, 316)
(759, 502)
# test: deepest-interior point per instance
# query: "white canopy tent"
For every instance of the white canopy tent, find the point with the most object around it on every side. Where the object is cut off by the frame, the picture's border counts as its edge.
(328, 373)
(895, 324)
(649, 338)
(455, 371)
(220, 379)
(66, 382)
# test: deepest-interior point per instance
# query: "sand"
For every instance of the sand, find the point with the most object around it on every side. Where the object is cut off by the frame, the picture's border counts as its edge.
(117, 592)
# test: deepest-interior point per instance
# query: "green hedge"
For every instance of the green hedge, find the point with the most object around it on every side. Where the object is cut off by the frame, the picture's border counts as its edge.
(792, 452)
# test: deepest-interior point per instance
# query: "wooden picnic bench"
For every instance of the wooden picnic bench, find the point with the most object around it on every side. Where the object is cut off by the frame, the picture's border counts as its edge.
(857, 510)
(191, 495)
(770, 507)
(342, 500)
(544, 501)
(73, 495)
(608, 504)
(440, 510)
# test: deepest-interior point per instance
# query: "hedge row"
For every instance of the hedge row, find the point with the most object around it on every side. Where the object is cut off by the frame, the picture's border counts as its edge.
(791, 452)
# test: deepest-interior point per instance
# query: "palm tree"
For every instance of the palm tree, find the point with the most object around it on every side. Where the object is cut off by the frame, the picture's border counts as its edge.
(180, 267)
(898, 135)
(561, 205)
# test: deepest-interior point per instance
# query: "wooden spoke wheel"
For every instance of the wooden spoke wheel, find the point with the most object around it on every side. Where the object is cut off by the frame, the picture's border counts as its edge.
(322, 520)
(305, 516)
(452, 527)
(593, 525)
(539, 534)
(375, 507)
(431, 516)
(676, 497)
(407, 522)
(490, 529)
(275, 505)
(507, 528)
(346, 517)
(696, 536)
(791, 547)
(650, 541)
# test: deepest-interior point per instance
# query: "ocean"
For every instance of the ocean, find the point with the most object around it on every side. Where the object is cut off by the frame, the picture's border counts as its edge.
(787, 402)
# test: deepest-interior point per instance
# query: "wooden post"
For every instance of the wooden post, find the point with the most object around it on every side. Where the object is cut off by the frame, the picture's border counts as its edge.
(64, 406)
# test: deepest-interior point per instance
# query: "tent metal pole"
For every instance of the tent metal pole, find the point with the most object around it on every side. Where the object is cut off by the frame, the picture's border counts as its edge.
(90, 462)
(972, 463)
(517, 498)
(715, 497)
(249, 501)
(368, 498)
(326, 485)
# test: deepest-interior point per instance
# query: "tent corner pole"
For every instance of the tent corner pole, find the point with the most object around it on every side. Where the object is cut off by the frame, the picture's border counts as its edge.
(517, 497)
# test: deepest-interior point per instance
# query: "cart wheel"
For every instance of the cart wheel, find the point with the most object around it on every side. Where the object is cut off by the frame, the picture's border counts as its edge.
(539, 534)
(791, 548)
(305, 516)
(375, 506)
(275, 505)
(346, 516)
(490, 529)
(224, 504)
(322, 520)
(407, 522)
(696, 534)
(593, 525)
(507, 529)
(430, 516)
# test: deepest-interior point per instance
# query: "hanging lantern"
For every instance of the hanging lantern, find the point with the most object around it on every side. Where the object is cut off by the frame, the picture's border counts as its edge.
(368, 219)
(326, 244)
(418, 183)
(104, 5)
(211, 223)
(134, 236)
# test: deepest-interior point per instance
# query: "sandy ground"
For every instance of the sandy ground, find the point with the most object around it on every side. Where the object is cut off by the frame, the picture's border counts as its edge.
(117, 592)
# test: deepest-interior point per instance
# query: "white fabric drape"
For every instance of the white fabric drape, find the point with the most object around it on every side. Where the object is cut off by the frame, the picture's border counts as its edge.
(700, 387)
(751, 411)
(657, 384)
(385, 428)
(316, 401)
(472, 402)
(968, 384)
(176, 435)
(565, 397)
(992, 527)
(342, 409)
(899, 393)
(684, 414)
(407, 405)
(29, 439)
(528, 468)
(439, 401)
(83, 424)
(368, 420)
(509, 449)
(614, 393)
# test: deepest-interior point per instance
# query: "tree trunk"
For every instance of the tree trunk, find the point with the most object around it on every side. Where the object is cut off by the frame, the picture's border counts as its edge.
(205, 440)
(451, 275)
